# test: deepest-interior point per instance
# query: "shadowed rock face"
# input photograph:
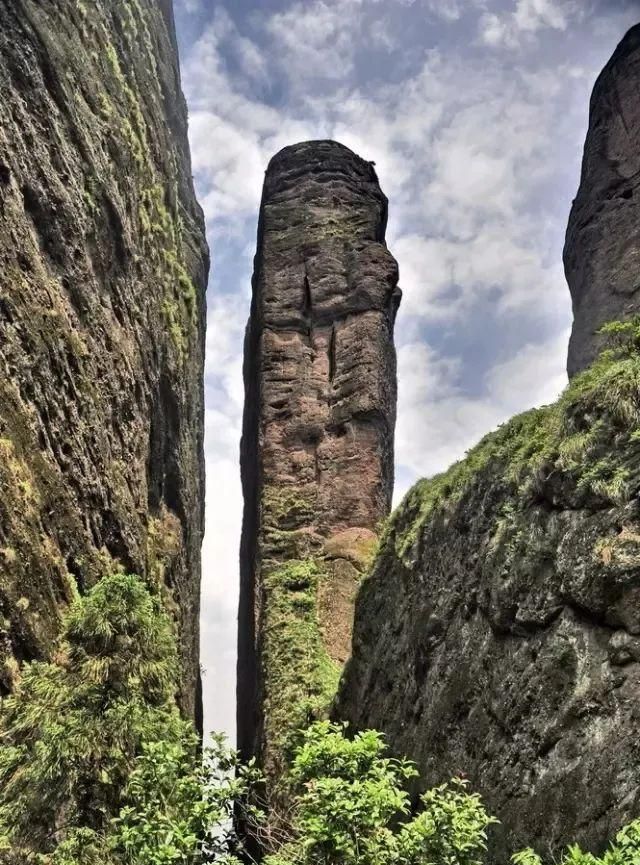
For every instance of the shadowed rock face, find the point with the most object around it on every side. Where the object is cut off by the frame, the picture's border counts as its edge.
(103, 266)
(317, 450)
(602, 252)
(498, 636)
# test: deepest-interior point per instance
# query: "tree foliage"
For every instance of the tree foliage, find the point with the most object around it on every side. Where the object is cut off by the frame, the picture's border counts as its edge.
(97, 767)
(624, 851)
(352, 806)
(96, 763)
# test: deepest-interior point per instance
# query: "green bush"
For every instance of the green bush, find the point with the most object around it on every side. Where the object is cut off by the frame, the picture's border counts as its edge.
(96, 763)
(625, 851)
(350, 805)
(74, 726)
(98, 768)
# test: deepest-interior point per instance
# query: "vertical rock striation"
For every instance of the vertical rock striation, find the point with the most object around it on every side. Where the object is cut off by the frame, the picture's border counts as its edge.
(602, 251)
(103, 266)
(317, 449)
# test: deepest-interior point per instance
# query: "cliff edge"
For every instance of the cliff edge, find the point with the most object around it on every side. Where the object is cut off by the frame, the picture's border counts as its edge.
(602, 250)
(498, 632)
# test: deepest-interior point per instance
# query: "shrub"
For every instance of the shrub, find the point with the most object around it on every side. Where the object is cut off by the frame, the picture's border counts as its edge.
(350, 805)
(624, 851)
(74, 726)
(96, 763)
(98, 768)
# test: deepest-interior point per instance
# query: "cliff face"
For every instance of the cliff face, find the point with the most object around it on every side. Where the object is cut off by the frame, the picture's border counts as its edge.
(498, 633)
(317, 450)
(103, 266)
(602, 252)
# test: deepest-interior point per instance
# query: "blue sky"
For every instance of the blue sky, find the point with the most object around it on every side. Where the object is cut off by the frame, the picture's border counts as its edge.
(475, 113)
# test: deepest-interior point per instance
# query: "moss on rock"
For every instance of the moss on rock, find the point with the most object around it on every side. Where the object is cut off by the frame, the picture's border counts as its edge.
(589, 439)
(498, 629)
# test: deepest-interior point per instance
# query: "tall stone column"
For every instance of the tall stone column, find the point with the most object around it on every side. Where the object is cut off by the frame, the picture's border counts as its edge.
(602, 250)
(317, 448)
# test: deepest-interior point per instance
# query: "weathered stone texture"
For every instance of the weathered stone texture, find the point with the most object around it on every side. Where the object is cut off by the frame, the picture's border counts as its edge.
(602, 252)
(498, 636)
(103, 266)
(317, 452)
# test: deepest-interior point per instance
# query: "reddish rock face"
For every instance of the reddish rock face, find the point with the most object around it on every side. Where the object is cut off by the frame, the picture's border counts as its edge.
(602, 251)
(317, 451)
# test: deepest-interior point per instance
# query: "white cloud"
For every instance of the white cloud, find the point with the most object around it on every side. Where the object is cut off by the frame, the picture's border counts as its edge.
(438, 422)
(189, 6)
(528, 18)
(220, 585)
(232, 134)
(443, 279)
(478, 151)
(315, 39)
(226, 321)
(450, 10)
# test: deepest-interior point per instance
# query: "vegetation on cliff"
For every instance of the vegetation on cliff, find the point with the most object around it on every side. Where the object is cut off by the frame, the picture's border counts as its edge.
(97, 767)
(102, 284)
(350, 806)
(304, 679)
(591, 436)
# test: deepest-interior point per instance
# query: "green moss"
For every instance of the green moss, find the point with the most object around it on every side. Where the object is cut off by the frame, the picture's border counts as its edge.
(173, 320)
(163, 548)
(164, 234)
(300, 679)
(588, 438)
(286, 514)
(161, 230)
(286, 507)
(114, 62)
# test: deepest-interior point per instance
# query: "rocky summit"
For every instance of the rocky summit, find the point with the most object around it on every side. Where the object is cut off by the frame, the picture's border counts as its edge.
(602, 251)
(317, 448)
(103, 266)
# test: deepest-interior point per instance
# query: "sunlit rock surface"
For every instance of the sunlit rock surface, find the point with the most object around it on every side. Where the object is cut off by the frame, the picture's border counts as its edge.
(317, 450)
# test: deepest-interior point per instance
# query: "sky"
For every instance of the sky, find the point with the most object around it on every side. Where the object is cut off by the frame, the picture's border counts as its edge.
(475, 113)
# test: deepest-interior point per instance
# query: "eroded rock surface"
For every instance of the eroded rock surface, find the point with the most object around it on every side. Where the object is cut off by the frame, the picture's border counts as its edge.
(317, 451)
(498, 634)
(103, 266)
(602, 252)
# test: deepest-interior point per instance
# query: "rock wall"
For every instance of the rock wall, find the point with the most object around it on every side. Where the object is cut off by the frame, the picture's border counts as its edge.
(103, 267)
(602, 252)
(498, 633)
(317, 449)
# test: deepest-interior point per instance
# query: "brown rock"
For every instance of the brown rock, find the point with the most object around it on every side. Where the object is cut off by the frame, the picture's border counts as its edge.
(317, 451)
